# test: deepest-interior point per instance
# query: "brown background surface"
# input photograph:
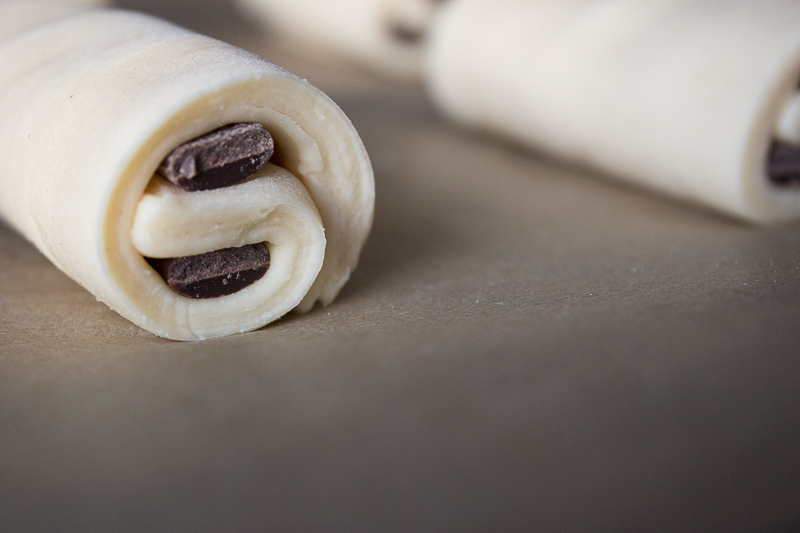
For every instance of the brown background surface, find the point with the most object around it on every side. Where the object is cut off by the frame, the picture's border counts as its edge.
(525, 346)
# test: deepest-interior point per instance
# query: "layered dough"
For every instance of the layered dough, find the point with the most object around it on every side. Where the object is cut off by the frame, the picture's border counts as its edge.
(684, 96)
(387, 35)
(93, 102)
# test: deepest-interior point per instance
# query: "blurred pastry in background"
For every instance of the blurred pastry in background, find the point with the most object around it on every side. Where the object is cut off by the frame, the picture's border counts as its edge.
(388, 36)
(695, 98)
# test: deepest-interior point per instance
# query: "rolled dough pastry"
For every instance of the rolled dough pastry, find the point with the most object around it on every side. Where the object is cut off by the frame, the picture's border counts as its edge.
(386, 35)
(93, 102)
(684, 96)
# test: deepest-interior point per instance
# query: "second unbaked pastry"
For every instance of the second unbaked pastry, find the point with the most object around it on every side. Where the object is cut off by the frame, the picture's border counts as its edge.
(695, 98)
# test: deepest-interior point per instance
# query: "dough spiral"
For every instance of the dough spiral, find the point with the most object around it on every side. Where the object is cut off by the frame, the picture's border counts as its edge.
(92, 102)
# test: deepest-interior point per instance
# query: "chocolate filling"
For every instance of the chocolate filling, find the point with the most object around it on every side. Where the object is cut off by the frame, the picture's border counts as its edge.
(783, 166)
(221, 158)
(214, 274)
(406, 35)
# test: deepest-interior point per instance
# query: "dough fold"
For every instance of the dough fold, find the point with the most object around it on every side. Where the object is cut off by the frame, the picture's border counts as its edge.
(91, 104)
(683, 96)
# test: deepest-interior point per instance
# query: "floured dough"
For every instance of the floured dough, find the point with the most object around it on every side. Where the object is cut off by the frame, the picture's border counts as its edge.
(386, 35)
(92, 103)
(685, 96)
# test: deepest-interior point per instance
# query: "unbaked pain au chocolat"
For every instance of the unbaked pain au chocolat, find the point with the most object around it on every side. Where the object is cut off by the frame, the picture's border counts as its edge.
(698, 99)
(195, 188)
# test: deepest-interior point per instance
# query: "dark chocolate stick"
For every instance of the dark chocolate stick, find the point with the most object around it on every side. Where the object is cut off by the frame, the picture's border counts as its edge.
(406, 35)
(409, 35)
(214, 274)
(784, 164)
(224, 157)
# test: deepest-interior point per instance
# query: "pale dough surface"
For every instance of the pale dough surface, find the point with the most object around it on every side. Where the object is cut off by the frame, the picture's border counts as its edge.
(93, 102)
(358, 29)
(684, 96)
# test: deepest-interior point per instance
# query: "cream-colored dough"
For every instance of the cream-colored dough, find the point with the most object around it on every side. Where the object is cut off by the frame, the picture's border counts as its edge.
(91, 103)
(684, 96)
(359, 29)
